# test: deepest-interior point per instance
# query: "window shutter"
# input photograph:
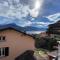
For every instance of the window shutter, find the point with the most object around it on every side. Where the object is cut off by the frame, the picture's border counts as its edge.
(3, 50)
(3, 37)
(6, 51)
(0, 37)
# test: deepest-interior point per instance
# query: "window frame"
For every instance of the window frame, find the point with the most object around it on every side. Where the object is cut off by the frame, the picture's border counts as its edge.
(3, 52)
(2, 38)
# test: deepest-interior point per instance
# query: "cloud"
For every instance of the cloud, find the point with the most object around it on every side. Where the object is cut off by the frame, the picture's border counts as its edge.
(23, 23)
(54, 17)
(41, 23)
(14, 8)
(37, 7)
(17, 11)
(4, 20)
(12, 11)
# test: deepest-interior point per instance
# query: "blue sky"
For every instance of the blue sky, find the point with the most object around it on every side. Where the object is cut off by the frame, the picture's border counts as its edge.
(35, 13)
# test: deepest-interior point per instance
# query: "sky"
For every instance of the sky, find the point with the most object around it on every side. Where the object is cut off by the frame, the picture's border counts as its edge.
(34, 13)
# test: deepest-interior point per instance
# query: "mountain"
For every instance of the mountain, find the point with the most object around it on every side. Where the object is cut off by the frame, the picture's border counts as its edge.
(12, 25)
(31, 28)
(28, 29)
(13, 22)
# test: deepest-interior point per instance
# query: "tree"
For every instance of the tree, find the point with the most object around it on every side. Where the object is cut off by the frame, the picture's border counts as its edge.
(45, 43)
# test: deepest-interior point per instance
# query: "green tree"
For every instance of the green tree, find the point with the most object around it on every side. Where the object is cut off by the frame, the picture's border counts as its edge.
(45, 43)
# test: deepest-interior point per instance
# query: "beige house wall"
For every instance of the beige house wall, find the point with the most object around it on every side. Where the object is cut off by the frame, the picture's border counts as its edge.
(17, 43)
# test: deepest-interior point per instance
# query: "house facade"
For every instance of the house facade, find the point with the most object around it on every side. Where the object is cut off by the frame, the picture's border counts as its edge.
(54, 32)
(54, 28)
(14, 42)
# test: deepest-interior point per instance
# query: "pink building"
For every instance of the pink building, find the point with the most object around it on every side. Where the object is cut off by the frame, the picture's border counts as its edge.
(13, 42)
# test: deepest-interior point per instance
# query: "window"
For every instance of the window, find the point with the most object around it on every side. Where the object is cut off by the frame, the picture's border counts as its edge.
(2, 38)
(4, 51)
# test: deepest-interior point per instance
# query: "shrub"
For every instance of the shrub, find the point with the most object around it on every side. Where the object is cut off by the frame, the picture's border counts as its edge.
(46, 43)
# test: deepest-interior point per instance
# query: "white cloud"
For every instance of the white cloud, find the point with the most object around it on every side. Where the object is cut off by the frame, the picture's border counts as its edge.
(17, 11)
(14, 12)
(54, 17)
(11, 11)
(6, 20)
(41, 23)
(13, 8)
(37, 7)
(24, 23)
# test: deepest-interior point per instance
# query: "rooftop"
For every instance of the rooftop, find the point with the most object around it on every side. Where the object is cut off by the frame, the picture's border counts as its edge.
(12, 26)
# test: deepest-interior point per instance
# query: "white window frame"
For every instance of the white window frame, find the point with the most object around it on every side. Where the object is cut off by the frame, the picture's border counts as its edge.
(2, 49)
